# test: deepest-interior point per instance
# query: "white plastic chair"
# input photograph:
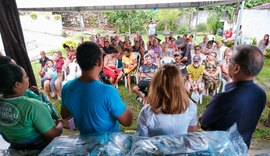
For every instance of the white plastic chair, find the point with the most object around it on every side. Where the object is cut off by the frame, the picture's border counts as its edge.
(74, 72)
(138, 56)
(166, 60)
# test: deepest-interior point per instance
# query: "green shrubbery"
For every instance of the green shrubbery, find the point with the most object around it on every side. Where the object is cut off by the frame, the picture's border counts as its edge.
(57, 17)
(33, 15)
(201, 27)
(183, 29)
(70, 43)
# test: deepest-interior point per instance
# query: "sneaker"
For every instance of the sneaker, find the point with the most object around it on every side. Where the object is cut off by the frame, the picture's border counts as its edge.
(139, 99)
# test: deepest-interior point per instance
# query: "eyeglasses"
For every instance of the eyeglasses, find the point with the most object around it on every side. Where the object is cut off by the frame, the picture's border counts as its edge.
(197, 49)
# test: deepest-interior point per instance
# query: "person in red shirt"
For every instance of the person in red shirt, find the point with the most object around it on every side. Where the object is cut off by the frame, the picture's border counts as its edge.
(228, 34)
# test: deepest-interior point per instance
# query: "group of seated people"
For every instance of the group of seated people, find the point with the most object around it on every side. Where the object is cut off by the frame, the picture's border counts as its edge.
(210, 65)
(27, 123)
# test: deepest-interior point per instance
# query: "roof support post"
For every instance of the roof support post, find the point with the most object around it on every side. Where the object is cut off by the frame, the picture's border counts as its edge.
(239, 23)
(81, 22)
(197, 14)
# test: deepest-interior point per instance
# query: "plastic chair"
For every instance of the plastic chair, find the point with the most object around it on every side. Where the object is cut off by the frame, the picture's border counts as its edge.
(73, 71)
(166, 60)
(138, 56)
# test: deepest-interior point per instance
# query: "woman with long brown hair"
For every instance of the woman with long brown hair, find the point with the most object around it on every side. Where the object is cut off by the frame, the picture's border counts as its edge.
(169, 110)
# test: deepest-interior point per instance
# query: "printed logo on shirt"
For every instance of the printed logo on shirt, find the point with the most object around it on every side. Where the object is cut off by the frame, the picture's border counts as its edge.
(9, 114)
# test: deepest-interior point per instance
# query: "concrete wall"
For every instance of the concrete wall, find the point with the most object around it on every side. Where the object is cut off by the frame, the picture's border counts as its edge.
(41, 24)
(256, 23)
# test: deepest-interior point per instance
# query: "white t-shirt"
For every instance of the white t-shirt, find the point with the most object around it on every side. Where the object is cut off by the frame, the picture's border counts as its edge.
(151, 29)
(151, 124)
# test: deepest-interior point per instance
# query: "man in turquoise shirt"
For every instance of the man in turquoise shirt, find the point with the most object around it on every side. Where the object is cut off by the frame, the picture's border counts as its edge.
(96, 107)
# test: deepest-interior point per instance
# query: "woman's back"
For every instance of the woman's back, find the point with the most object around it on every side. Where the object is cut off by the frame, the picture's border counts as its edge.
(23, 121)
(151, 124)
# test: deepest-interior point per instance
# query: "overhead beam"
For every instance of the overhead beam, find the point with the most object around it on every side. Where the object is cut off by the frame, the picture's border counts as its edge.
(184, 4)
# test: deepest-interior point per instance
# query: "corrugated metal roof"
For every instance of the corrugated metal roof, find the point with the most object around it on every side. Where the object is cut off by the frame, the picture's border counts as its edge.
(84, 5)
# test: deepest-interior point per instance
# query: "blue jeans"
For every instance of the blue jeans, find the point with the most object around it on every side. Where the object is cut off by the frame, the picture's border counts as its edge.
(52, 81)
(52, 84)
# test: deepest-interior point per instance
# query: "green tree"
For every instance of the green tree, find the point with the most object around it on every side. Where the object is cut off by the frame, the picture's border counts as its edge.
(129, 21)
(213, 22)
(167, 19)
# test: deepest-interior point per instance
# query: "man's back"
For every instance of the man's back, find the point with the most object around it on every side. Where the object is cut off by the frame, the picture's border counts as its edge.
(242, 102)
(93, 105)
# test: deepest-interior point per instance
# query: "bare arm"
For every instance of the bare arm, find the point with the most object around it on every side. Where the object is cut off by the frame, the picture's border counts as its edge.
(65, 114)
(54, 132)
(183, 59)
(126, 118)
(190, 79)
(206, 73)
(218, 71)
(143, 75)
(199, 80)
(134, 62)
(193, 128)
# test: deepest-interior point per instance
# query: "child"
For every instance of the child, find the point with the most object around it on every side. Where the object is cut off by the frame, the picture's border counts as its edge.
(50, 74)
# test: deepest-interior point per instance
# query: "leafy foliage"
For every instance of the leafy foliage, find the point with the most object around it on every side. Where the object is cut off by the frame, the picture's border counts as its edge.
(167, 19)
(213, 23)
(183, 29)
(47, 17)
(57, 17)
(201, 27)
(129, 21)
(33, 15)
(70, 43)
(252, 3)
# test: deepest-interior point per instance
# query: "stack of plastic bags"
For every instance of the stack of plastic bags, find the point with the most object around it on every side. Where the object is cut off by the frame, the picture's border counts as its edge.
(118, 144)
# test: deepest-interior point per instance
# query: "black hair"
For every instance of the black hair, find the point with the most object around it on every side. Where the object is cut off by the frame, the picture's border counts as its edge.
(88, 54)
(250, 59)
(65, 46)
(211, 42)
(13, 73)
(112, 50)
(5, 60)
(267, 41)
(127, 49)
(49, 60)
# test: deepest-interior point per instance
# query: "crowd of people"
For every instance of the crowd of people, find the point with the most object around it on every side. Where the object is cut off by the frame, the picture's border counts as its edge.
(166, 89)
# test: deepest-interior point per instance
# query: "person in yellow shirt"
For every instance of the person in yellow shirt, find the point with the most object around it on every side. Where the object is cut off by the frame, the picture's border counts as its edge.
(195, 73)
(129, 61)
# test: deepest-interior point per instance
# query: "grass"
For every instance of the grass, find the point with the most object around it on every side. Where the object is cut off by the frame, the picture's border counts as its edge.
(130, 100)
